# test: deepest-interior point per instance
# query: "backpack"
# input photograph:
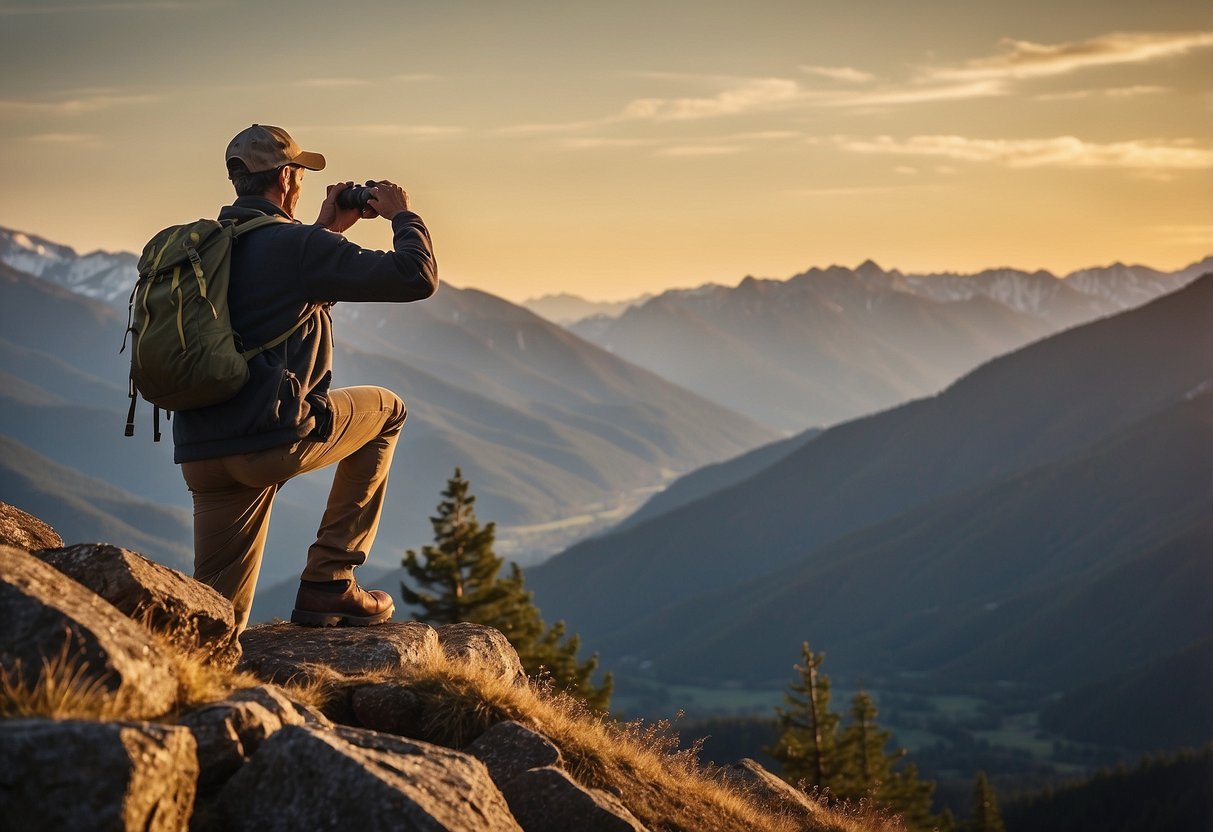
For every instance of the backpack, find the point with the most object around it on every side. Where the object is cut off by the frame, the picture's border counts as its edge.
(185, 354)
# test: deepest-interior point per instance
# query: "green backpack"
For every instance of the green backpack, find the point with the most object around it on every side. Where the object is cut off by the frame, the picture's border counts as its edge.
(185, 354)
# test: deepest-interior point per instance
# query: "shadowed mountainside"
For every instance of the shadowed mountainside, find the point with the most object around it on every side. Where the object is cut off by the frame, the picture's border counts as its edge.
(957, 480)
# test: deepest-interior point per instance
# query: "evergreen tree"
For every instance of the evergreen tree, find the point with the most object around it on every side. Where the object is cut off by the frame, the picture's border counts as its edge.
(986, 817)
(807, 728)
(869, 771)
(462, 575)
(852, 765)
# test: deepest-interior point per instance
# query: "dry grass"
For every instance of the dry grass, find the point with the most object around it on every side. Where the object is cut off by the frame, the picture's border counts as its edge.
(663, 786)
(65, 688)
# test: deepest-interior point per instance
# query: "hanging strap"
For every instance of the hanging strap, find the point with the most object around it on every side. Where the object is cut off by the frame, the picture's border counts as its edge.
(130, 414)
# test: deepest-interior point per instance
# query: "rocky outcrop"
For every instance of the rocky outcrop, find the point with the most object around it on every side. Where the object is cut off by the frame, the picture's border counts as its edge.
(549, 800)
(24, 531)
(53, 624)
(229, 732)
(193, 616)
(529, 770)
(484, 647)
(258, 758)
(91, 775)
(307, 778)
(285, 652)
(773, 792)
(508, 749)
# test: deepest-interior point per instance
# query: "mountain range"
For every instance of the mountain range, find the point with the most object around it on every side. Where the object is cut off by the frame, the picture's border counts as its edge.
(831, 344)
(550, 429)
(1046, 519)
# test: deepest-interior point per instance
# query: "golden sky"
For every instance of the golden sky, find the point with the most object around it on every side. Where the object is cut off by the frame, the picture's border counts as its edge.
(613, 148)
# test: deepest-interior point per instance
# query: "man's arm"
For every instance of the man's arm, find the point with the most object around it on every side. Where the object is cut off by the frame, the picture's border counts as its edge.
(335, 269)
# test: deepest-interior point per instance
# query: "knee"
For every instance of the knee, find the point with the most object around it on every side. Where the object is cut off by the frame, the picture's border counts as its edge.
(397, 412)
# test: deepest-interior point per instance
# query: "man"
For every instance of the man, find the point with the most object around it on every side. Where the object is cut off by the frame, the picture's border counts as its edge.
(286, 420)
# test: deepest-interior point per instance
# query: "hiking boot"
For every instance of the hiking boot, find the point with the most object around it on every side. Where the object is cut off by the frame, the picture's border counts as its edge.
(332, 603)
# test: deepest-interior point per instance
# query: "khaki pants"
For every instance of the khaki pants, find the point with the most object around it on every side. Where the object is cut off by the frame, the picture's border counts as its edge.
(233, 495)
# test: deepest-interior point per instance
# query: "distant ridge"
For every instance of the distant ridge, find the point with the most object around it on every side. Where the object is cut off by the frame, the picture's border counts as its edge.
(748, 564)
(831, 344)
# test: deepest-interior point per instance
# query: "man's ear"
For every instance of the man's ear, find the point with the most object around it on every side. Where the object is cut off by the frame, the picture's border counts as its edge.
(284, 177)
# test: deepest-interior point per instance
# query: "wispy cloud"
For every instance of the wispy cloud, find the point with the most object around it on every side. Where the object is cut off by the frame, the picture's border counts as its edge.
(77, 8)
(63, 138)
(699, 150)
(1019, 59)
(839, 73)
(1060, 151)
(339, 82)
(72, 106)
(1113, 92)
(744, 97)
(602, 142)
(412, 131)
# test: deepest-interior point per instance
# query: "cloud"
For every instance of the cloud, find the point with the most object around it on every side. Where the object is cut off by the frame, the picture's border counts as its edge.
(746, 96)
(412, 131)
(1113, 92)
(63, 138)
(72, 106)
(599, 142)
(77, 8)
(1060, 151)
(699, 150)
(1020, 59)
(839, 73)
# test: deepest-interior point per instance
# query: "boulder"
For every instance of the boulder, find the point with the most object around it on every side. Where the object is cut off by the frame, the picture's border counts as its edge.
(304, 777)
(549, 800)
(771, 791)
(67, 774)
(25, 531)
(190, 614)
(389, 707)
(50, 621)
(284, 652)
(510, 748)
(484, 647)
(230, 731)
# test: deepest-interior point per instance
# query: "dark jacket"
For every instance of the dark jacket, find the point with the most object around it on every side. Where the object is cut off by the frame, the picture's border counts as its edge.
(280, 275)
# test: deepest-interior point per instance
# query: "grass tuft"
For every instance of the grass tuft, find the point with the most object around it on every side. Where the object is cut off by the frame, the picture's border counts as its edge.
(663, 786)
(65, 688)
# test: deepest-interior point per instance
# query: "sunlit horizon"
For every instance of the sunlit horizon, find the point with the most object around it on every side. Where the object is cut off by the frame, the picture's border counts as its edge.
(610, 153)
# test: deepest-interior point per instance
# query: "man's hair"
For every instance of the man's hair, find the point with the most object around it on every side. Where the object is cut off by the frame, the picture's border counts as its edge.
(250, 184)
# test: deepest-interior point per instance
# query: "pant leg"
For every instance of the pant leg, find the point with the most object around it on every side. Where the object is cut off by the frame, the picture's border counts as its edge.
(366, 425)
(231, 521)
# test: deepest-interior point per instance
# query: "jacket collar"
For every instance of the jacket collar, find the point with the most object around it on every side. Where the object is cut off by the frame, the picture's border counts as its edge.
(248, 207)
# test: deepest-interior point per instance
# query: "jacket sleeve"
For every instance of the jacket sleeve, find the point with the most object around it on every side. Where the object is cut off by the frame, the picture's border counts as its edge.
(334, 269)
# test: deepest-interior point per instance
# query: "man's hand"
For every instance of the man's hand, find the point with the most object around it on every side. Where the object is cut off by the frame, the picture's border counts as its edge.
(334, 217)
(388, 199)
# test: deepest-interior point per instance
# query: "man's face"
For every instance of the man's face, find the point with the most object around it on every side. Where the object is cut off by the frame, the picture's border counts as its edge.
(294, 186)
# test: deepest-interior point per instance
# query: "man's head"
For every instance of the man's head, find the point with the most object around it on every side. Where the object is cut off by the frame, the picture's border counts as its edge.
(266, 161)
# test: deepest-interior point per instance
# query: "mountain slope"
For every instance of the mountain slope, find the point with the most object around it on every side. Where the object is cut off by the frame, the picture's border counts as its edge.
(84, 509)
(832, 344)
(549, 427)
(816, 349)
(1047, 577)
(1038, 405)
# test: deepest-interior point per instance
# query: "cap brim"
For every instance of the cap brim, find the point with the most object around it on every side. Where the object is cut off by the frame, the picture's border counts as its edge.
(309, 160)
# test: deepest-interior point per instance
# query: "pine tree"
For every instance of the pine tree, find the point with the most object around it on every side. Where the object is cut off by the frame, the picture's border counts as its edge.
(869, 771)
(462, 574)
(986, 817)
(852, 765)
(808, 729)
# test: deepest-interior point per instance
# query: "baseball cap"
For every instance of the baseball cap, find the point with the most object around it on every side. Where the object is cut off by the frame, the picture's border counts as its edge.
(262, 147)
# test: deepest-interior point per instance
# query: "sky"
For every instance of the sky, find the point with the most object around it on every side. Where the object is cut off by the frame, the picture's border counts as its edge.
(614, 149)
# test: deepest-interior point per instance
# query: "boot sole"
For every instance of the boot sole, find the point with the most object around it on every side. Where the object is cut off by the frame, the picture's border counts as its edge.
(306, 618)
